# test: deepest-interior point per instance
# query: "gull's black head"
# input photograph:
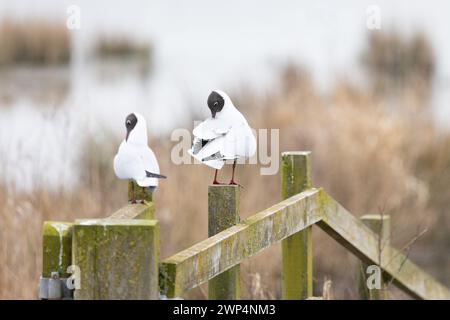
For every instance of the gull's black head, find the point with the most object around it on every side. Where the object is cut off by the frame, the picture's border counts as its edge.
(215, 103)
(130, 123)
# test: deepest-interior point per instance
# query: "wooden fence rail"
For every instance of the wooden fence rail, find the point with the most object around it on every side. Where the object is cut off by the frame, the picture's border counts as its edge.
(118, 257)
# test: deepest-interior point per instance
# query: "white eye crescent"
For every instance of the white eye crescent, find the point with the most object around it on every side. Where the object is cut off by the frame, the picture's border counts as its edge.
(128, 122)
(216, 103)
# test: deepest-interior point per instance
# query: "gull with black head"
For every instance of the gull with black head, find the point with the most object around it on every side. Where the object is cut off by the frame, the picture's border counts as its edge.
(135, 160)
(224, 136)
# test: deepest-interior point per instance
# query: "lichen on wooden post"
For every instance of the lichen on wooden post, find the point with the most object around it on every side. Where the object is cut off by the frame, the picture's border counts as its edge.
(204, 260)
(56, 248)
(223, 213)
(137, 193)
(296, 249)
(381, 225)
(135, 211)
(118, 258)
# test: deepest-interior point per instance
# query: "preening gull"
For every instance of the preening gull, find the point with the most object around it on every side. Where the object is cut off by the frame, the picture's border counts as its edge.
(135, 160)
(226, 135)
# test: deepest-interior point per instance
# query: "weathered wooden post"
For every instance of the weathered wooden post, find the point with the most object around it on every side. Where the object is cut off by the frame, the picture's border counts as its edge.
(56, 258)
(223, 212)
(112, 258)
(296, 249)
(137, 193)
(118, 258)
(381, 225)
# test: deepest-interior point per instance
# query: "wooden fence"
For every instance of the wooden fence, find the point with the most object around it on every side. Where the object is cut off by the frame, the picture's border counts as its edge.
(118, 257)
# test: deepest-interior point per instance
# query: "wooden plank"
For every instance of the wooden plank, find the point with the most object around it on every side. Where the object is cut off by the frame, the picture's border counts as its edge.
(135, 211)
(359, 239)
(297, 267)
(223, 213)
(118, 258)
(381, 226)
(206, 259)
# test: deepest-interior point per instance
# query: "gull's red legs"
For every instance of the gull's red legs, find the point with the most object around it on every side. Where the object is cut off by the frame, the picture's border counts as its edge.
(232, 182)
(215, 178)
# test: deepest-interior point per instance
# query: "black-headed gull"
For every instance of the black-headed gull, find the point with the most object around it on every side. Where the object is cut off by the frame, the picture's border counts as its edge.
(226, 135)
(135, 160)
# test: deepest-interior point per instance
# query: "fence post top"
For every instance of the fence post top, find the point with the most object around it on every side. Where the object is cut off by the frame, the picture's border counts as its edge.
(106, 222)
(57, 228)
(223, 189)
(295, 153)
(224, 186)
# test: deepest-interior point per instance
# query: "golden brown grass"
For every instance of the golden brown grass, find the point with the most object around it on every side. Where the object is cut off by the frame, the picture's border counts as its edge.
(396, 62)
(34, 41)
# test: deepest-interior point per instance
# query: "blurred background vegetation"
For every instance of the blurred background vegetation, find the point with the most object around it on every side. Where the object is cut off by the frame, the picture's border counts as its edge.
(375, 145)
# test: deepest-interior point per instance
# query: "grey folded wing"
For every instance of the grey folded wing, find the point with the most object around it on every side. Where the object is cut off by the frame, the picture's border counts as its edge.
(215, 156)
(154, 175)
(198, 145)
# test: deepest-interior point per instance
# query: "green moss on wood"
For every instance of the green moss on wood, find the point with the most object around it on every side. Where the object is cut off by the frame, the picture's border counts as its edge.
(223, 208)
(137, 193)
(295, 173)
(226, 286)
(297, 266)
(296, 249)
(167, 280)
(135, 211)
(118, 258)
(223, 213)
(56, 248)
(206, 259)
